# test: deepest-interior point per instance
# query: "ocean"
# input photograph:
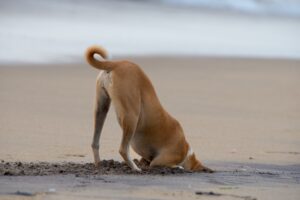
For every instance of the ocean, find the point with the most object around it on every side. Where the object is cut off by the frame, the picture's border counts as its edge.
(39, 31)
(289, 8)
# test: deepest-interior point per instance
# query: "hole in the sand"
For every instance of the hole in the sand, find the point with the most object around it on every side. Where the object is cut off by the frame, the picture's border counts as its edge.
(80, 169)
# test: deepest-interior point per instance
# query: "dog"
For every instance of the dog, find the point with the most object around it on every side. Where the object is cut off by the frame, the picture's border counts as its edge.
(149, 129)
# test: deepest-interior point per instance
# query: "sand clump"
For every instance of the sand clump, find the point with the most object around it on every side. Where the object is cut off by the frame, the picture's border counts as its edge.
(80, 169)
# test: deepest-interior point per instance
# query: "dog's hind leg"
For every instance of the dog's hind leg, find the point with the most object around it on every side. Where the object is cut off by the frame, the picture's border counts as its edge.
(168, 159)
(101, 108)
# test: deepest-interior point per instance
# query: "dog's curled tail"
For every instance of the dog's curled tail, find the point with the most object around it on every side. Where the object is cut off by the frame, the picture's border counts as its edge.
(103, 65)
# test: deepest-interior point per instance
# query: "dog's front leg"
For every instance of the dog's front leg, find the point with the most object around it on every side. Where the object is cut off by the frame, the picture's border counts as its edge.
(129, 123)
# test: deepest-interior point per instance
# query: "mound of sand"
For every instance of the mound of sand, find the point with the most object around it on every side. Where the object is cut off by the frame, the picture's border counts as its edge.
(80, 169)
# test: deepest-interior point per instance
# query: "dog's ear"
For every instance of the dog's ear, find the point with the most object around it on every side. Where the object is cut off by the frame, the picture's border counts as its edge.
(192, 163)
(196, 165)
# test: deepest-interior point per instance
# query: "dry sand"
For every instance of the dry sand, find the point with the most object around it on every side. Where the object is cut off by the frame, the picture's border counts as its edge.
(241, 116)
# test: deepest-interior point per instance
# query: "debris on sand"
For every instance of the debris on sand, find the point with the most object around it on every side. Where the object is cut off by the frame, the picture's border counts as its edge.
(208, 193)
(21, 193)
(228, 195)
(80, 169)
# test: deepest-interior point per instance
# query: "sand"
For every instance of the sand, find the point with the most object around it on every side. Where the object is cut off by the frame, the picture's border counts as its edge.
(241, 116)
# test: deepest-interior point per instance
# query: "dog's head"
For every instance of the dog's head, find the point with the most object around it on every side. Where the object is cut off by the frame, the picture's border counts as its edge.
(193, 164)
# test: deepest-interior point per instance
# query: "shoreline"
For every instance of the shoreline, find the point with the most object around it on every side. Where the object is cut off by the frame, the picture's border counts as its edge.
(145, 58)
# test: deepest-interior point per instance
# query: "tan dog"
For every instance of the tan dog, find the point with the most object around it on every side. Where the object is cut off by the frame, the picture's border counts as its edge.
(152, 132)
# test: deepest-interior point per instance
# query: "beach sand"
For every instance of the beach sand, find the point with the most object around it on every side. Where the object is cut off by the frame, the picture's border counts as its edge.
(241, 116)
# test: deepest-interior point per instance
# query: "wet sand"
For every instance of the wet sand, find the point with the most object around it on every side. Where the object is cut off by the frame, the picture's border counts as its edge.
(241, 116)
(83, 181)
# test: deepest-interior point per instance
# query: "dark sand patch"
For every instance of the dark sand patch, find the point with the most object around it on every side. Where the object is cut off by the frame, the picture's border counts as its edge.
(228, 195)
(108, 167)
(284, 152)
(75, 155)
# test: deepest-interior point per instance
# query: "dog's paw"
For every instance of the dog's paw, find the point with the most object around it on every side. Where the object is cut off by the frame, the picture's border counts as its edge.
(177, 167)
(136, 169)
(97, 164)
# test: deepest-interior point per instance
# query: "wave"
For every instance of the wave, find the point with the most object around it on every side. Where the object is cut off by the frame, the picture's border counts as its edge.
(266, 7)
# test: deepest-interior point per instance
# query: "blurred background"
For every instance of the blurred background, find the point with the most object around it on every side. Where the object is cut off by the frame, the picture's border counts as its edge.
(228, 70)
(60, 30)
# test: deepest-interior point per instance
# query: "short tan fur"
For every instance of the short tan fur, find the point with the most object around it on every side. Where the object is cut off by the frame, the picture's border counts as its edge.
(147, 127)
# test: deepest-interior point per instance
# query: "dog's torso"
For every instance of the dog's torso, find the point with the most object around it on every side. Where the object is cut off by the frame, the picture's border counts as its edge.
(156, 130)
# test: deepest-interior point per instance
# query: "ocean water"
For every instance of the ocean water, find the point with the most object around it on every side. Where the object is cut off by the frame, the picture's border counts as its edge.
(60, 30)
(257, 7)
